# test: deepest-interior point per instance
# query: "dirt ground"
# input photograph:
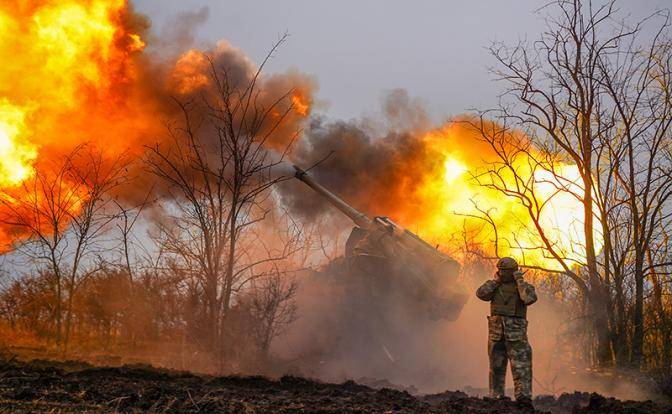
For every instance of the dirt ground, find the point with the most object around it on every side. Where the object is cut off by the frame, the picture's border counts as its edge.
(71, 387)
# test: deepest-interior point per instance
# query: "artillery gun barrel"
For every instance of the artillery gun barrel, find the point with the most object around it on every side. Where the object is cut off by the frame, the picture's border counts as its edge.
(360, 219)
(431, 276)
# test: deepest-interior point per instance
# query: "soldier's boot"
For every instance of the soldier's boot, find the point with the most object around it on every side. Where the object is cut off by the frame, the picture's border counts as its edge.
(498, 361)
(520, 354)
(525, 404)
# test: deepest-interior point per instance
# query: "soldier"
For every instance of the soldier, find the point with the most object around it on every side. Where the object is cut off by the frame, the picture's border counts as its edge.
(509, 296)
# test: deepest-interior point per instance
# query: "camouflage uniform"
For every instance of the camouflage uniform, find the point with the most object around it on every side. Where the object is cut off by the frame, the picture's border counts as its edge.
(507, 339)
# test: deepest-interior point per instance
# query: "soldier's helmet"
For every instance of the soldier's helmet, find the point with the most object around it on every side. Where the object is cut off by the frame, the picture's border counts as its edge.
(507, 263)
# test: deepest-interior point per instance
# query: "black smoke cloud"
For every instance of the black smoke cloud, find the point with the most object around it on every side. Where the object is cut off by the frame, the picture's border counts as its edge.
(175, 69)
(371, 164)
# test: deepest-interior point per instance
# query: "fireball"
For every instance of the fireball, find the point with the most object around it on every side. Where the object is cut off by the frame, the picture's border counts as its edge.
(456, 208)
(64, 66)
(72, 74)
(16, 155)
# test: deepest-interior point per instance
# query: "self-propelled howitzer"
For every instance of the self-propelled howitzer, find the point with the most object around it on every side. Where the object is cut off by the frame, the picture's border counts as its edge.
(400, 262)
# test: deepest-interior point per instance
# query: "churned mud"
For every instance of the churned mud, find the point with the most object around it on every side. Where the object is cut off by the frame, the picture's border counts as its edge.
(40, 386)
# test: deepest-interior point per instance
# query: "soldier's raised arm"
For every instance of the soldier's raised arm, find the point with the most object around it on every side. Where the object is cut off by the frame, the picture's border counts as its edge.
(487, 290)
(526, 291)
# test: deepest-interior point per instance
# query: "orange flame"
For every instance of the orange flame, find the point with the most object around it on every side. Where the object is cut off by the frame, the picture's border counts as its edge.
(300, 105)
(64, 65)
(16, 156)
(73, 72)
(451, 201)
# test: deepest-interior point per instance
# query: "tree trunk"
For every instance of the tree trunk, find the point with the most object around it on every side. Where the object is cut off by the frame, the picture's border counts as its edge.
(620, 342)
(664, 325)
(599, 315)
(598, 295)
(638, 318)
(59, 313)
(68, 321)
(663, 320)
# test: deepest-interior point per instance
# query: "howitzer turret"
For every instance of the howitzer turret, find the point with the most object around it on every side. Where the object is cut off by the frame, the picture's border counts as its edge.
(401, 262)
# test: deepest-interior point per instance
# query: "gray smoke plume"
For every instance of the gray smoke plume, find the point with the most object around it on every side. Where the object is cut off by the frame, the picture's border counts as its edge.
(368, 163)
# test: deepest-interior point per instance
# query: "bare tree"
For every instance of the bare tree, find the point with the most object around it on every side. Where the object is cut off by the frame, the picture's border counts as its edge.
(637, 80)
(218, 171)
(64, 213)
(272, 307)
(128, 218)
(590, 92)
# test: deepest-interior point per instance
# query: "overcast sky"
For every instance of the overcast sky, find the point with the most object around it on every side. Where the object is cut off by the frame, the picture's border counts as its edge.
(358, 49)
